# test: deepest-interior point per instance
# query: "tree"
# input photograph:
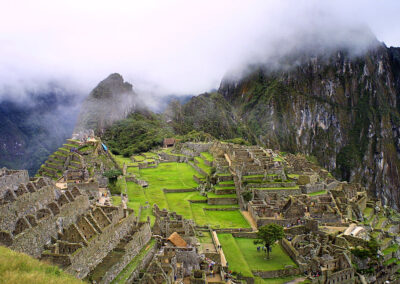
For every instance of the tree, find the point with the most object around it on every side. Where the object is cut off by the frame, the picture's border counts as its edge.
(268, 235)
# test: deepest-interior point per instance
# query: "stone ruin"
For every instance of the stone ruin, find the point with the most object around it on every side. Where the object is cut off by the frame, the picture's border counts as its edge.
(61, 226)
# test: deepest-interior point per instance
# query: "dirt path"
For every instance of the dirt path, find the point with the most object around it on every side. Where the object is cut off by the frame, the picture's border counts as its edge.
(250, 219)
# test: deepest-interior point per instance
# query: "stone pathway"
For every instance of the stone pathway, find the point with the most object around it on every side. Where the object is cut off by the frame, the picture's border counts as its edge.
(295, 281)
(250, 219)
(221, 252)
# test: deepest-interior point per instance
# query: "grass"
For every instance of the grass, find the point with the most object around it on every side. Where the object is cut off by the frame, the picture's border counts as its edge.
(139, 158)
(391, 249)
(121, 160)
(127, 271)
(223, 187)
(233, 255)
(227, 182)
(256, 260)
(390, 261)
(242, 255)
(293, 176)
(116, 200)
(19, 268)
(213, 195)
(207, 156)
(200, 163)
(317, 193)
(179, 176)
(218, 219)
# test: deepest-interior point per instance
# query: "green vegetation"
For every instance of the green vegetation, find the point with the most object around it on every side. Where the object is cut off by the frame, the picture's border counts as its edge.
(201, 164)
(137, 133)
(391, 249)
(207, 156)
(179, 176)
(317, 193)
(242, 256)
(268, 235)
(19, 268)
(112, 175)
(127, 271)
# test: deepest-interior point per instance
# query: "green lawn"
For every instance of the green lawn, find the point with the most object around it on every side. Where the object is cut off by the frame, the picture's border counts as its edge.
(218, 219)
(208, 156)
(121, 160)
(179, 176)
(200, 163)
(317, 193)
(242, 255)
(256, 260)
(233, 255)
(213, 195)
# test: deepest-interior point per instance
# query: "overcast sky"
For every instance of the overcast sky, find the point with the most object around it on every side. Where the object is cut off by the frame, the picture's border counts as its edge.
(180, 47)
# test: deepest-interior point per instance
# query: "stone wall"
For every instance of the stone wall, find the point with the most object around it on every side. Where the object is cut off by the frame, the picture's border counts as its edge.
(143, 264)
(90, 188)
(222, 201)
(199, 170)
(281, 192)
(310, 188)
(173, 158)
(12, 179)
(139, 240)
(32, 240)
(166, 190)
(26, 204)
(277, 273)
(87, 258)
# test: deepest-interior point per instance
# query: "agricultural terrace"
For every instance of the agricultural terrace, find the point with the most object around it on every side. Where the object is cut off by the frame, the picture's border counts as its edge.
(173, 175)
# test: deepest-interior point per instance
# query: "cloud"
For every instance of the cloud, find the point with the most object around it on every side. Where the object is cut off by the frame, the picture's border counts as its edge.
(170, 47)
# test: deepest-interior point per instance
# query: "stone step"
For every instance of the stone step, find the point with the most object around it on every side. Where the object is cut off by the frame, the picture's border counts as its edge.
(63, 151)
(72, 141)
(57, 167)
(60, 156)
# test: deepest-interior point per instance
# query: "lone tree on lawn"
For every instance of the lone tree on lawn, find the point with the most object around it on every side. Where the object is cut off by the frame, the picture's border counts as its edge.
(268, 235)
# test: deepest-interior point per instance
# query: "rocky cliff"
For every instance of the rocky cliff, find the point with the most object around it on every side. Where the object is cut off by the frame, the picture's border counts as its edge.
(111, 100)
(343, 109)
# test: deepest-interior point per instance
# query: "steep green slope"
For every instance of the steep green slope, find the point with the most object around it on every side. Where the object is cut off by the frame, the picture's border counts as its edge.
(339, 108)
(19, 268)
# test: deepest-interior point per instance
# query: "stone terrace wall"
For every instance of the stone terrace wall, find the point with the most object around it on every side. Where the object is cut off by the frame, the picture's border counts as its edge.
(281, 192)
(277, 273)
(87, 258)
(89, 188)
(25, 204)
(32, 240)
(139, 240)
(11, 179)
(143, 264)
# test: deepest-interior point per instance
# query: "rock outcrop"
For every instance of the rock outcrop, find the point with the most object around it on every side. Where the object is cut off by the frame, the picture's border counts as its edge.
(342, 109)
(111, 100)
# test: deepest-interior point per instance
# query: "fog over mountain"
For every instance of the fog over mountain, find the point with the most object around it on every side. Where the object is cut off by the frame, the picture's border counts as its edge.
(52, 54)
(172, 47)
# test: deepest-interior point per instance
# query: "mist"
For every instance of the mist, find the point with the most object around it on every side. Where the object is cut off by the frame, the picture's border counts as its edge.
(172, 47)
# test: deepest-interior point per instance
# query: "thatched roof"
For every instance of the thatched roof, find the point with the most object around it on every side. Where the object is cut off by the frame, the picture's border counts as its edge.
(177, 240)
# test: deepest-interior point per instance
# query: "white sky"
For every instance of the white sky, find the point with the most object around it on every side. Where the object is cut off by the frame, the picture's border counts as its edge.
(180, 47)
